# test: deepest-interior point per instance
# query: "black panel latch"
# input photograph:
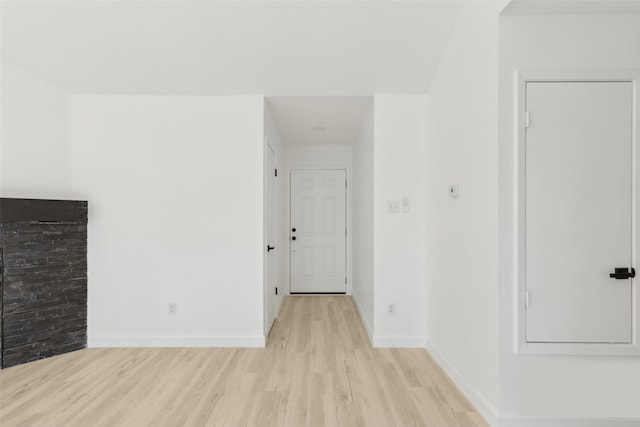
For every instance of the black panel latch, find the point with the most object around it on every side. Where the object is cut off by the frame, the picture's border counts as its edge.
(270, 248)
(623, 273)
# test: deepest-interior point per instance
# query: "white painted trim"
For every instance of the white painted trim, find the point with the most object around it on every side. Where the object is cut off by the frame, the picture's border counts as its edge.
(521, 346)
(143, 341)
(398, 341)
(482, 405)
(364, 319)
(568, 422)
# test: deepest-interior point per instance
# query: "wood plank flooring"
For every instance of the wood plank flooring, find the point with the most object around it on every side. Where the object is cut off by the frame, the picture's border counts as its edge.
(318, 369)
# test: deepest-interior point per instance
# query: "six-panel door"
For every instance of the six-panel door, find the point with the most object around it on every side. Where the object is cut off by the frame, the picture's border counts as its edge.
(318, 231)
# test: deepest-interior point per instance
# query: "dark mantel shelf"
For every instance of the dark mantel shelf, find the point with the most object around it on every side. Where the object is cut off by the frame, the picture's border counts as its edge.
(41, 210)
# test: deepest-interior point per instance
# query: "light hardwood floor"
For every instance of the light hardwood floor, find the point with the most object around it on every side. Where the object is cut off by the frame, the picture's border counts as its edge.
(318, 369)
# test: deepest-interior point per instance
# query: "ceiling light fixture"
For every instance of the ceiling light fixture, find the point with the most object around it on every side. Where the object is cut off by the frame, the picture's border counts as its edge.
(318, 128)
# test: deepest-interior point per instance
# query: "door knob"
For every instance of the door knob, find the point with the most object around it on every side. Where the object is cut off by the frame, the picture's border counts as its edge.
(293, 238)
(293, 229)
(270, 248)
(623, 273)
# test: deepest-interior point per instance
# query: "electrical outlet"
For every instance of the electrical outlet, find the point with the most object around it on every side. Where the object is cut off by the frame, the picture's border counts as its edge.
(391, 309)
(173, 309)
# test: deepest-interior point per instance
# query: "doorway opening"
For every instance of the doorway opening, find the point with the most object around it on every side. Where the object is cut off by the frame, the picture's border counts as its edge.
(315, 140)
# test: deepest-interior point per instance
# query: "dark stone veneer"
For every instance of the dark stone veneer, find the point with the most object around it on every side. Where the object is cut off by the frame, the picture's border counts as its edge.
(43, 278)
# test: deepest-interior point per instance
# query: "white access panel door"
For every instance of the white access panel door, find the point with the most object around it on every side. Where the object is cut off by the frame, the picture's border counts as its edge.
(578, 214)
(318, 231)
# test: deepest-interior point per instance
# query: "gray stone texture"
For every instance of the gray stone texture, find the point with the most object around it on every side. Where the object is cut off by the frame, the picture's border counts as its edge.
(44, 288)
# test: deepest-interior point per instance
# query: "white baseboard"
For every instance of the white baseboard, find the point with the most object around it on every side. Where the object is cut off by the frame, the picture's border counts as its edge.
(365, 321)
(568, 422)
(482, 405)
(490, 413)
(395, 341)
(174, 341)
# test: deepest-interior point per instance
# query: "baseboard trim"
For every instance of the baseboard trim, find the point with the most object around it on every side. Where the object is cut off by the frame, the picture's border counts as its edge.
(174, 341)
(568, 422)
(482, 405)
(394, 341)
(365, 322)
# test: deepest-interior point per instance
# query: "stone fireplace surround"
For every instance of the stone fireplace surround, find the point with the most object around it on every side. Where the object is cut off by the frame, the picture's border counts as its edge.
(43, 278)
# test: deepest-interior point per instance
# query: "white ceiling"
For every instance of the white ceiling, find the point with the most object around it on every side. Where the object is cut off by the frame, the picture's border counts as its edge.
(571, 7)
(340, 116)
(229, 47)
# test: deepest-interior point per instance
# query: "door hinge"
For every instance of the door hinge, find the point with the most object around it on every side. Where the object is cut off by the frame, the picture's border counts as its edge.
(527, 119)
(276, 172)
(526, 299)
(276, 290)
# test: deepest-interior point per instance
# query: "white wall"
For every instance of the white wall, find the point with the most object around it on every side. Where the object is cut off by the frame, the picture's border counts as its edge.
(399, 238)
(362, 219)
(274, 136)
(312, 156)
(35, 150)
(175, 190)
(317, 157)
(462, 277)
(577, 387)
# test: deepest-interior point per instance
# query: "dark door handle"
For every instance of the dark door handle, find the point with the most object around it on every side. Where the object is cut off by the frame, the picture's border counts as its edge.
(270, 248)
(623, 273)
(293, 238)
(293, 229)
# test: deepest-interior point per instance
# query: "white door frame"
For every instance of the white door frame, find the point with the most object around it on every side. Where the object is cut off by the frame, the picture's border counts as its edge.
(522, 77)
(266, 285)
(348, 254)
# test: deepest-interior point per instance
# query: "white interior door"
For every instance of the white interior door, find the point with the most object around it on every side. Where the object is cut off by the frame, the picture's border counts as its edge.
(318, 231)
(271, 232)
(579, 201)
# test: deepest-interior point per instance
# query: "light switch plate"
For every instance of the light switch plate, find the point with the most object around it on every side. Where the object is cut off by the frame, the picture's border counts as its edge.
(393, 206)
(405, 204)
(453, 191)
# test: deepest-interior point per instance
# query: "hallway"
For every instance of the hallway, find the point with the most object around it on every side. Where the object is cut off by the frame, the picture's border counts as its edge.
(318, 369)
